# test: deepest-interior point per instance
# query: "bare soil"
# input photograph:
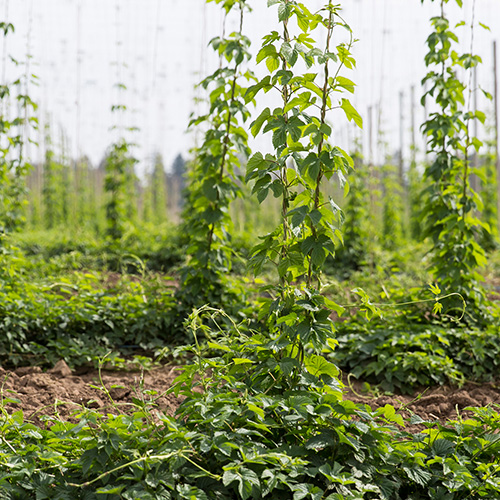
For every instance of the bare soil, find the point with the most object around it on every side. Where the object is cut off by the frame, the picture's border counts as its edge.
(433, 404)
(59, 392)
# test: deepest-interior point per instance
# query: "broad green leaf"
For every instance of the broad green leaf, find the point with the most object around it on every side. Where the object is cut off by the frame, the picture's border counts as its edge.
(418, 474)
(242, 361)
(321, 441)
(318, 365)
(248, 481)
(259, 122)
(109, 490)
(345, 83)
(272, 63)
(351, 113)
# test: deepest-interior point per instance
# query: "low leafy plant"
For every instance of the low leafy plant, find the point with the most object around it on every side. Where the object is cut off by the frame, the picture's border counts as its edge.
(79, 320)
(155, 248)
(401, 356)
(232, 440)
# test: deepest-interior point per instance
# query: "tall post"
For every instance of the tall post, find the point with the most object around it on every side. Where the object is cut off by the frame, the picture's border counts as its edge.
(475, 161)
(401, 138)
(495, 102)
(370, 135)
(4, 102)
(413, 132)
(76, 166)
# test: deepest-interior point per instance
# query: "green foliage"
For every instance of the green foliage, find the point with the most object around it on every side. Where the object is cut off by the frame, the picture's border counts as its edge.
(489, 234)
(248, 436)
(13, 164)
(55, 209)
(152, 247)
(214, 179)
(155, 198)
(177, 183)
(263, 434)
(450, 203)
(77, 318)
(415, 188)
(119, 185)
(297, 315)
(86, 196)
(263, 414)
(393, 216)
(352, 255)
(401, 356)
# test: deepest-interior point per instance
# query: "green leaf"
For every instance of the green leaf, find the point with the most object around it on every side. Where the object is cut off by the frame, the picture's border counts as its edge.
(345, 83)
(443, 447)
(242, 361)
(390, 414)
(284, 11)
(318, 365)
(419, 475)
(320, 441)
(248, 481)
(334, 306)
(287, 52)
(279, 136)
(297, 215)
(260, 120)
(272, 63)
(351, 113)
(389, 411)
(288, 365)
(258, 411)
(109, 490)
(266, 51)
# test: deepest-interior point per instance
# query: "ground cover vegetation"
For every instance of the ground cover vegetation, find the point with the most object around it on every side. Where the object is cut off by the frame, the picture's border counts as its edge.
(337, 281)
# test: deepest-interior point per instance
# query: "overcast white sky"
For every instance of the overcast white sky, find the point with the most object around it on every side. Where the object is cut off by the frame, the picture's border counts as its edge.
(161, 47)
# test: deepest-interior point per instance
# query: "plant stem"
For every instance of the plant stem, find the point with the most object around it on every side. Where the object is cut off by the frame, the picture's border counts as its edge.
(285, 93)
(324, 105)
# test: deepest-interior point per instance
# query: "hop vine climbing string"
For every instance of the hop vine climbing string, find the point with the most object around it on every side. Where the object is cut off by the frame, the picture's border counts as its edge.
(215, 173)
(450, 202)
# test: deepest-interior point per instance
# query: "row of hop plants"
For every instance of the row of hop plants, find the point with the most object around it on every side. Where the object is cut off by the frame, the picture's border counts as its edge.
(214, 186)
(67, 193)
(385, 213)
(270, 420)
(381, 211)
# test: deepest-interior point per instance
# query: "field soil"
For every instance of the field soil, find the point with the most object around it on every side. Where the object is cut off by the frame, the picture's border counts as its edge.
(60, 393)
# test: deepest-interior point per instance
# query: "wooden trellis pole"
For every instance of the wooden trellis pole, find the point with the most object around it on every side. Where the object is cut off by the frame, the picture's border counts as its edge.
(495, 106)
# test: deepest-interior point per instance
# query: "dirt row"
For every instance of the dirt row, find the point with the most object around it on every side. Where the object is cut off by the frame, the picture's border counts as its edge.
(59, 392)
